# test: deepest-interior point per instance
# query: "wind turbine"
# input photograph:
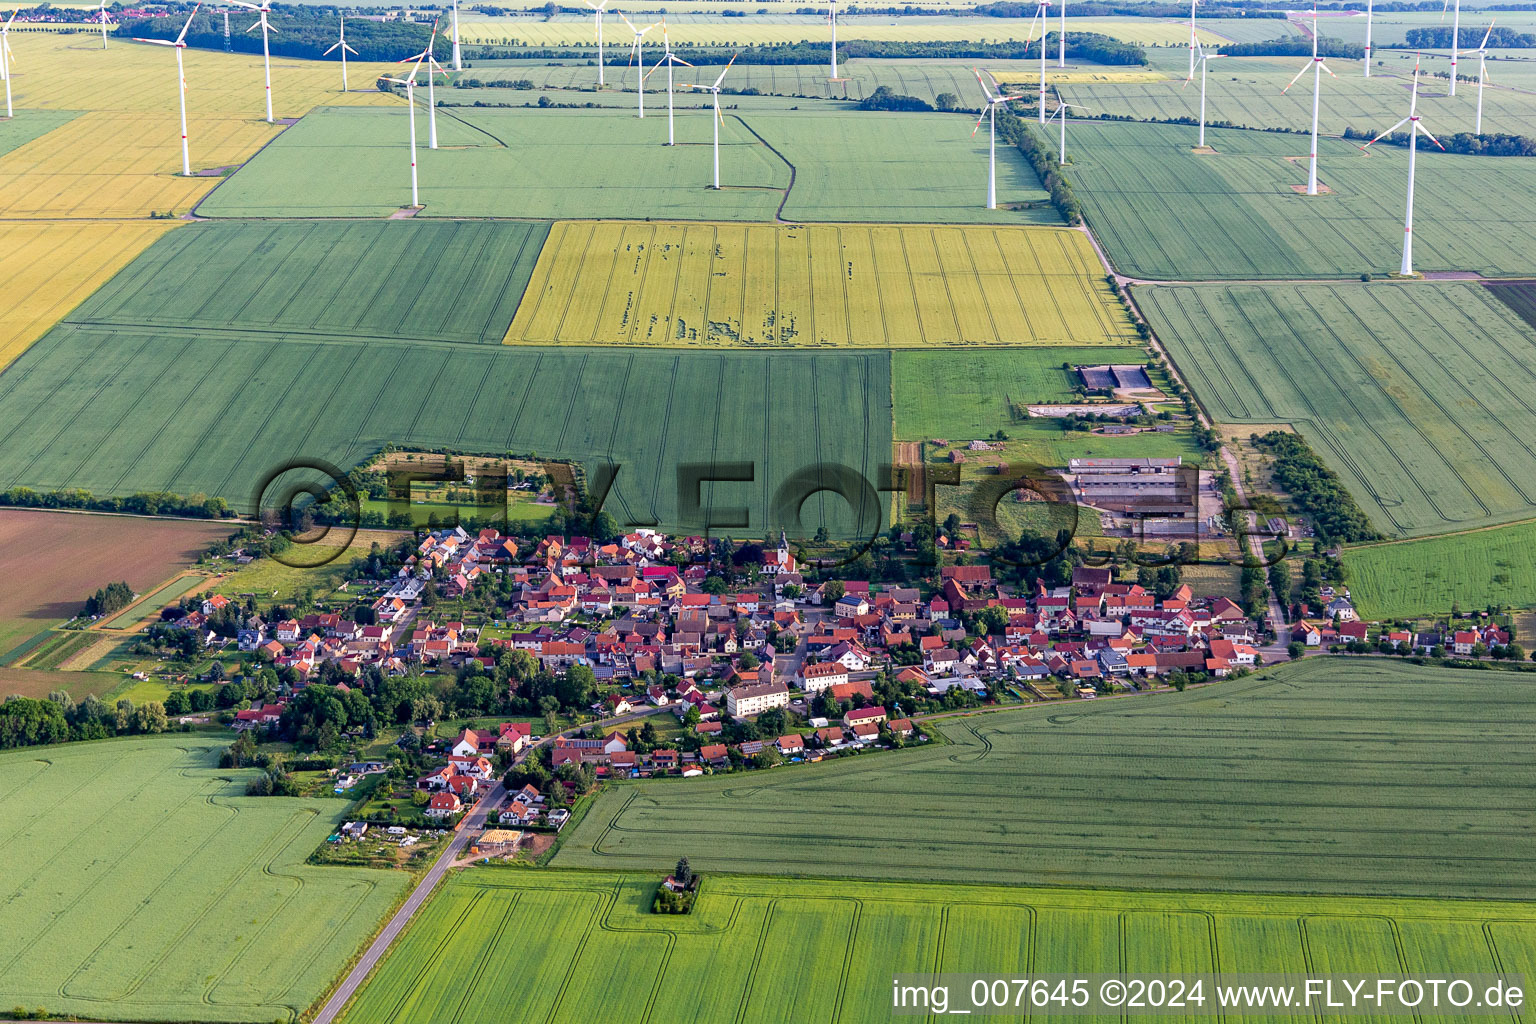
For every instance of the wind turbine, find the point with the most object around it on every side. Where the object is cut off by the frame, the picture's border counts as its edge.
(1482, 75)
(597, 16)
(1061, 52)
(1455, 38)
(409, 81)
(1041, 13)
(1204, 67)
(1414, 128)
(266, 58)
(832, 20)
(102, 17)
(341, 44)
(1368, 5)
(433, 67)
(995, 98)
(1318, 66)
(1194, 40)
(1061, 111)
(5, 64)
(715, 91)
(458, 63)
(637, 58)
(669, 59)
(181, 82)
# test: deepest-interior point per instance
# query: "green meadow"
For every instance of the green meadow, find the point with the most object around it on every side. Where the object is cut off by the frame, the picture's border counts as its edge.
(1346, 777)
(1164, 212)
(142, 884)
(570, 946)
(1417, 395)
(818, 164)
(1429, 576)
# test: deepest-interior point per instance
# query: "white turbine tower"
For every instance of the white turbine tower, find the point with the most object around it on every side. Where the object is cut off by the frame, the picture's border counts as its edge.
(266, 57)
(1061, 49)
(458, 62)
(341, 44)
(433, 67)
(181, 83)
(1194, 41)
(105, 21)
(832, 20)
(1061, 112)
(995, 98)
(1041, 14)
(1455, 37)
(409, 82)
(714, 90)
(5, 64)
(1414, 128)
(1318, 66)
(1369, 4)
(1205, 58)
(670, 59)
(597, 16)
(637, 58)
(1482, 75)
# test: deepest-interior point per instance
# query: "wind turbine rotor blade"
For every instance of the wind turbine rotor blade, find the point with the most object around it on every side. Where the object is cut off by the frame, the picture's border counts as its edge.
(983, 83)
(1298, 77)
(327, 53)
(1324, 65)
(1419, 127)
(1484, 46)
(980, 118)
(1384, 134)
(157, 42)
(725, 69)
(181, 39)
(349, 49)
(626, 20)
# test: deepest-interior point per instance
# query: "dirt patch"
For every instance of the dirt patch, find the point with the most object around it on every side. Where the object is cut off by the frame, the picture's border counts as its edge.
(44, 588)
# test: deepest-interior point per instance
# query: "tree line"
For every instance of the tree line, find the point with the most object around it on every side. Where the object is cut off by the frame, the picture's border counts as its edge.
(1441, 37)
(27, 721)
(1296, 46)
(1464, 143)
(1316, 489)
(144, 503)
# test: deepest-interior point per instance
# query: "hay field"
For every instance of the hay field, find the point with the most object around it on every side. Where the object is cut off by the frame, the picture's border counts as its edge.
(1165, 213)
(1418, 395)
(842, 286)
(47, 269)
(1364, 777)
(142, 884)
(753, 947)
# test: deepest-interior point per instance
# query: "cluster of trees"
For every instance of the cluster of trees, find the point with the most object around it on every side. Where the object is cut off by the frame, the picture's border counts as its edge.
(110, 598)
(1465, 143)
(1316, 489)
(886, 98)
(1089, 46)
(299, 32)
(1015, 9)
(679, 900)
(26, 721)
(469, 82)
(1296, 46)
(1314, 573)
(144, 503)
(1440, 37)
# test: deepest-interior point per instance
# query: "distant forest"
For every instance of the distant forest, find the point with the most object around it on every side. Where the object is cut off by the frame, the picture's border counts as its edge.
(299, 32)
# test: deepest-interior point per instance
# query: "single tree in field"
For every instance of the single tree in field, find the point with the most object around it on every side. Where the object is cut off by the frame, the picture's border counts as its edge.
(683, 876)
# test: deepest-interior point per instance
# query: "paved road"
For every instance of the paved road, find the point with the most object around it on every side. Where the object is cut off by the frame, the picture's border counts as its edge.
(418, 896)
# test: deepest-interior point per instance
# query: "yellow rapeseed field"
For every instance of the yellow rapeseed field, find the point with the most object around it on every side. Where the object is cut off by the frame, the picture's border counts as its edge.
(839, 286)
(46, 268)
(122, 157)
